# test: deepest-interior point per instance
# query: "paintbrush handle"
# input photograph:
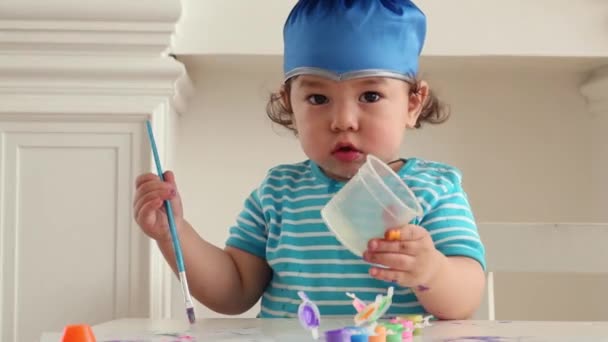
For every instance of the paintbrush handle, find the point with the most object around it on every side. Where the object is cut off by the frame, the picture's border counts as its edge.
(176, 245)
(159, 170)
(179, 260)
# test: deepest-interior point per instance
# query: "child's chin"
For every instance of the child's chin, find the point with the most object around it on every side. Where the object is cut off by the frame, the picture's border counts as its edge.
(348, 172)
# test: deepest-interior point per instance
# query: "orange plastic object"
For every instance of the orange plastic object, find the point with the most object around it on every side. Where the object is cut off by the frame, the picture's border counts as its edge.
(78, 333)
(368, 313)
(393, 235)
(379, 336)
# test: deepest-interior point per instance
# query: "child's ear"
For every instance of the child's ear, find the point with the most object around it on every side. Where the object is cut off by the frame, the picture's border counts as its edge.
(416, 102)
(284, 96)
(285, 93)
(286, 104)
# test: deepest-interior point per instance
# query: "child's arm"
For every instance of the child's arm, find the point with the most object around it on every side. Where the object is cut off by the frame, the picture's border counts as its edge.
(442, 259)
(456, 290)
(229, 281)
(447, 287)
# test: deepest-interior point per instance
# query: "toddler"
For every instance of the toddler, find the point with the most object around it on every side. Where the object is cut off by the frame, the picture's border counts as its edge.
(351, 88)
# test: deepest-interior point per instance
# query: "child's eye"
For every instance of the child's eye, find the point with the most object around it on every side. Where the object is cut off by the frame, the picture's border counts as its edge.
(370, 96)
(317, 99)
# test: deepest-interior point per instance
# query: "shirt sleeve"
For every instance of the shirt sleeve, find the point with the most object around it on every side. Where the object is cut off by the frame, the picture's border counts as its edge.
(452, 225)
(249, 233)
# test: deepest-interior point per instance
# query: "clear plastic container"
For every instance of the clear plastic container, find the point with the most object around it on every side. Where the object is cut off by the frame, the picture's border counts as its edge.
(374, 200)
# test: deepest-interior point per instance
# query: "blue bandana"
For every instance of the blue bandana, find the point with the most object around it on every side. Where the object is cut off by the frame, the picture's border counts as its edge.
(344, 39)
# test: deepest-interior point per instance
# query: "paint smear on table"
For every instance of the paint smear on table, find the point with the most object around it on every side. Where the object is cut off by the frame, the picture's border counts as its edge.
(242, 334)
(162, 337)
(477, 339)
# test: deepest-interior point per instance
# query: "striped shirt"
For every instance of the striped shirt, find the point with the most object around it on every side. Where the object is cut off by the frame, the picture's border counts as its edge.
(281, 223)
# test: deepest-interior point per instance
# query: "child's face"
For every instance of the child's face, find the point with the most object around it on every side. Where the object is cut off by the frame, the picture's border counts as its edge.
(339, 123)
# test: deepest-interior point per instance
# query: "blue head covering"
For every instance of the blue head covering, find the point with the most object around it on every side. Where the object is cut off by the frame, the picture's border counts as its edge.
(343, 39)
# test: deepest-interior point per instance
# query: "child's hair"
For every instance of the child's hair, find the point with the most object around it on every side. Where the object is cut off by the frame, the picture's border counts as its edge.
(433, 111)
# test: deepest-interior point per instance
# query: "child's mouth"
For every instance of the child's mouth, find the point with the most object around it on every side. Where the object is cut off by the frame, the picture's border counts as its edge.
(346, 152)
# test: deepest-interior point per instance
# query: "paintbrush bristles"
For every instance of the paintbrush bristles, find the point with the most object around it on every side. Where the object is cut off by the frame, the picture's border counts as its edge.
(191, 318)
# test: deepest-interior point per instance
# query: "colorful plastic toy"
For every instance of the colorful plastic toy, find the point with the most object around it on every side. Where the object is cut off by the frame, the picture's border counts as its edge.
(394, 332)
(371, 313)
(309, 315)
(78, 333)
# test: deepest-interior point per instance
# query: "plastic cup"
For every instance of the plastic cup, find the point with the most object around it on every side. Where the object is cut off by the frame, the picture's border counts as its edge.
(374, 200)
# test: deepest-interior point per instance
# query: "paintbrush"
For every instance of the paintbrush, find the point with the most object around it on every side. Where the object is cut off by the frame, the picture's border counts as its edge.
(176, 246)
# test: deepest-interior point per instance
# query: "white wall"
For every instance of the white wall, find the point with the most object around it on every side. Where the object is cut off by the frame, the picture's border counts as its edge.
(521, 141)
(456, 28)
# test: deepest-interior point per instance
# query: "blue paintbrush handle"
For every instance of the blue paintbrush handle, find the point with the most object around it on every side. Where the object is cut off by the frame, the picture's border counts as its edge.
(176, 246)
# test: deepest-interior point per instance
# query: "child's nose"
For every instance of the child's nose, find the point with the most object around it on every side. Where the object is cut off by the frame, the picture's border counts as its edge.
(345, 118)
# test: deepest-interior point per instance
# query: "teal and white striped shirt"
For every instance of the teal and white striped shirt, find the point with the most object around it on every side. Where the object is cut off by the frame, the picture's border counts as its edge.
(281, 222)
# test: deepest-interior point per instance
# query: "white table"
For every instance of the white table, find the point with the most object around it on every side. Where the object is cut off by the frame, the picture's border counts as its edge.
(267, 330)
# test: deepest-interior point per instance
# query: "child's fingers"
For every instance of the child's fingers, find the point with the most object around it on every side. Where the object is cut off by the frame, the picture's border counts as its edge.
(146, 177)
(395, 261)
(146, 215)
(400, 246)
(150, 186)
(152, 196)
(390, 275)
(169, 177)
(409, 232)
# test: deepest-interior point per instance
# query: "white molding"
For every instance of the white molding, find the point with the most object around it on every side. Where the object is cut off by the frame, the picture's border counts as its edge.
(84, 38)
(184, 91)
(69, 80)
(160, 275)
(93, 27)
(167, 11)
(595, 91)
(93, 48)
(102, 61)
(99, 75)
(58, 131)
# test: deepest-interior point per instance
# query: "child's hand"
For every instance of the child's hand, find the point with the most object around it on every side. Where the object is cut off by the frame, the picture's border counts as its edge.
(149, 207)
(410, 255)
